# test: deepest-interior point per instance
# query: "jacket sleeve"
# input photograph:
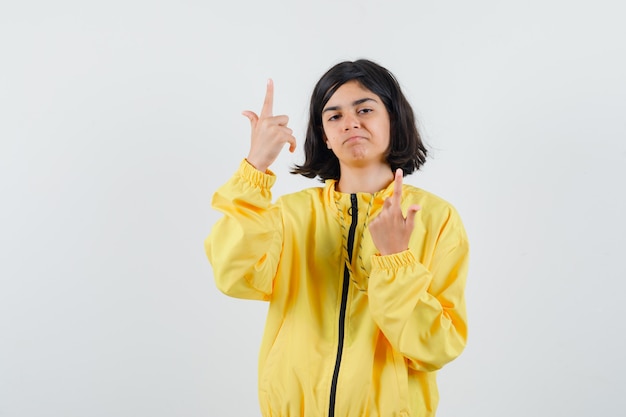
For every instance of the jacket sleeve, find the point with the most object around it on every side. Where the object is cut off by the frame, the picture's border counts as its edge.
(244, 246)
(422, 311)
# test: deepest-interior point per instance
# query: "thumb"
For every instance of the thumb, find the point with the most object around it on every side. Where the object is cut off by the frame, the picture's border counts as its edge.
(410, 215)
(251, 116)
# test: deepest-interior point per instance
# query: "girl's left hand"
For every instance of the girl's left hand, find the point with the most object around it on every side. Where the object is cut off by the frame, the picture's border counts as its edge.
(390, 230)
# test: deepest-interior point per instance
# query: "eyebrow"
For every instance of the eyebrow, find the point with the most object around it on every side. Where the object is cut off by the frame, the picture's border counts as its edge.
(354, 103)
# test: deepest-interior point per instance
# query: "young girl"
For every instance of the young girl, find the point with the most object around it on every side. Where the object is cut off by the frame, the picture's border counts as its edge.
(365, 276)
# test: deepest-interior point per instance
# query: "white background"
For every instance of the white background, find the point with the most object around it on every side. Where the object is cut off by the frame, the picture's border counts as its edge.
(119, 119)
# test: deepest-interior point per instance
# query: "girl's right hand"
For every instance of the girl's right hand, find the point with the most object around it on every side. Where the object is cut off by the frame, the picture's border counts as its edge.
(269, 133)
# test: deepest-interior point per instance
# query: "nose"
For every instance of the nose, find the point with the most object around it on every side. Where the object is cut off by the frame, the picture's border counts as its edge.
(351, 122)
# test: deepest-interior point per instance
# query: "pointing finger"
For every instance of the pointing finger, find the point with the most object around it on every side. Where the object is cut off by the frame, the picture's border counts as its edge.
(268, 104)
(397, 186)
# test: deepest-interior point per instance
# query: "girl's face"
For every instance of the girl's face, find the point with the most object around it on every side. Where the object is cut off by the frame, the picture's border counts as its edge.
(356, 126)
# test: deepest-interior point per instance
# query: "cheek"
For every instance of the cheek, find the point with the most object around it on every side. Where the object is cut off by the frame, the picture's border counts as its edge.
(387, 131)
(328, 134)
(325, 138)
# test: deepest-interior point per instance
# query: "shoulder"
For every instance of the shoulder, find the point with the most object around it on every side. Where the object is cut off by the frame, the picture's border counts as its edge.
(302, 196)
(412, 193)
(433, 207)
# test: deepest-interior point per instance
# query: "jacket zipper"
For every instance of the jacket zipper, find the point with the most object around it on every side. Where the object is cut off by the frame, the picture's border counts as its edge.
(354, 212)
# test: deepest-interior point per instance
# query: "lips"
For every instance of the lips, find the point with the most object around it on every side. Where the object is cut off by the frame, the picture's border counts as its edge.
(353, 139)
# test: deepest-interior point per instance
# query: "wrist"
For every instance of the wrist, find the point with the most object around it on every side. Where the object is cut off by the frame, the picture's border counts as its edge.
(257, 165)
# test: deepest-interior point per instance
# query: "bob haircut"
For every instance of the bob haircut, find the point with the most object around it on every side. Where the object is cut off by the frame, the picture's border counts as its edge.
(406, 149)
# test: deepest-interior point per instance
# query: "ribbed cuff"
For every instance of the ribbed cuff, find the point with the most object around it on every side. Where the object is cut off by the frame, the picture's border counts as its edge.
(393, 261)
(257, 178)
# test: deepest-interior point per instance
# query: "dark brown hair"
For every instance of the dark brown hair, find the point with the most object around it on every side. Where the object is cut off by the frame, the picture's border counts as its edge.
(406, 149)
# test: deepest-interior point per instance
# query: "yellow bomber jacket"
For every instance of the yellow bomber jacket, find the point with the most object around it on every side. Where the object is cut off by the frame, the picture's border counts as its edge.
(349, 332)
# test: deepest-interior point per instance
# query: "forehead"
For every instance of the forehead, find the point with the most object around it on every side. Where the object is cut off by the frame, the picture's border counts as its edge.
(349, 92)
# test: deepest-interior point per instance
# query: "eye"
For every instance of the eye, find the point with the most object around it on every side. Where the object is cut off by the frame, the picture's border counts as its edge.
(365, 110)
(334, 117)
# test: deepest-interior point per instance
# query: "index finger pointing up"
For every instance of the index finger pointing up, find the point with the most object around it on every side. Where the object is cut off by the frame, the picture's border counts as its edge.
(397, 186)
(268, 104)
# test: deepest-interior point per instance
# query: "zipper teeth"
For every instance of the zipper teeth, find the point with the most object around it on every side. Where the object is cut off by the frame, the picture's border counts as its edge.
(359, 263)
(344, 301)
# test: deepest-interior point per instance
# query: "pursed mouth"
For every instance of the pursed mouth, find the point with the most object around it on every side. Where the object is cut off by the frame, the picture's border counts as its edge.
(353, 139)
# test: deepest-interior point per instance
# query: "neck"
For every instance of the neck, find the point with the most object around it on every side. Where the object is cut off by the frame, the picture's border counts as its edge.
(364, 179)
